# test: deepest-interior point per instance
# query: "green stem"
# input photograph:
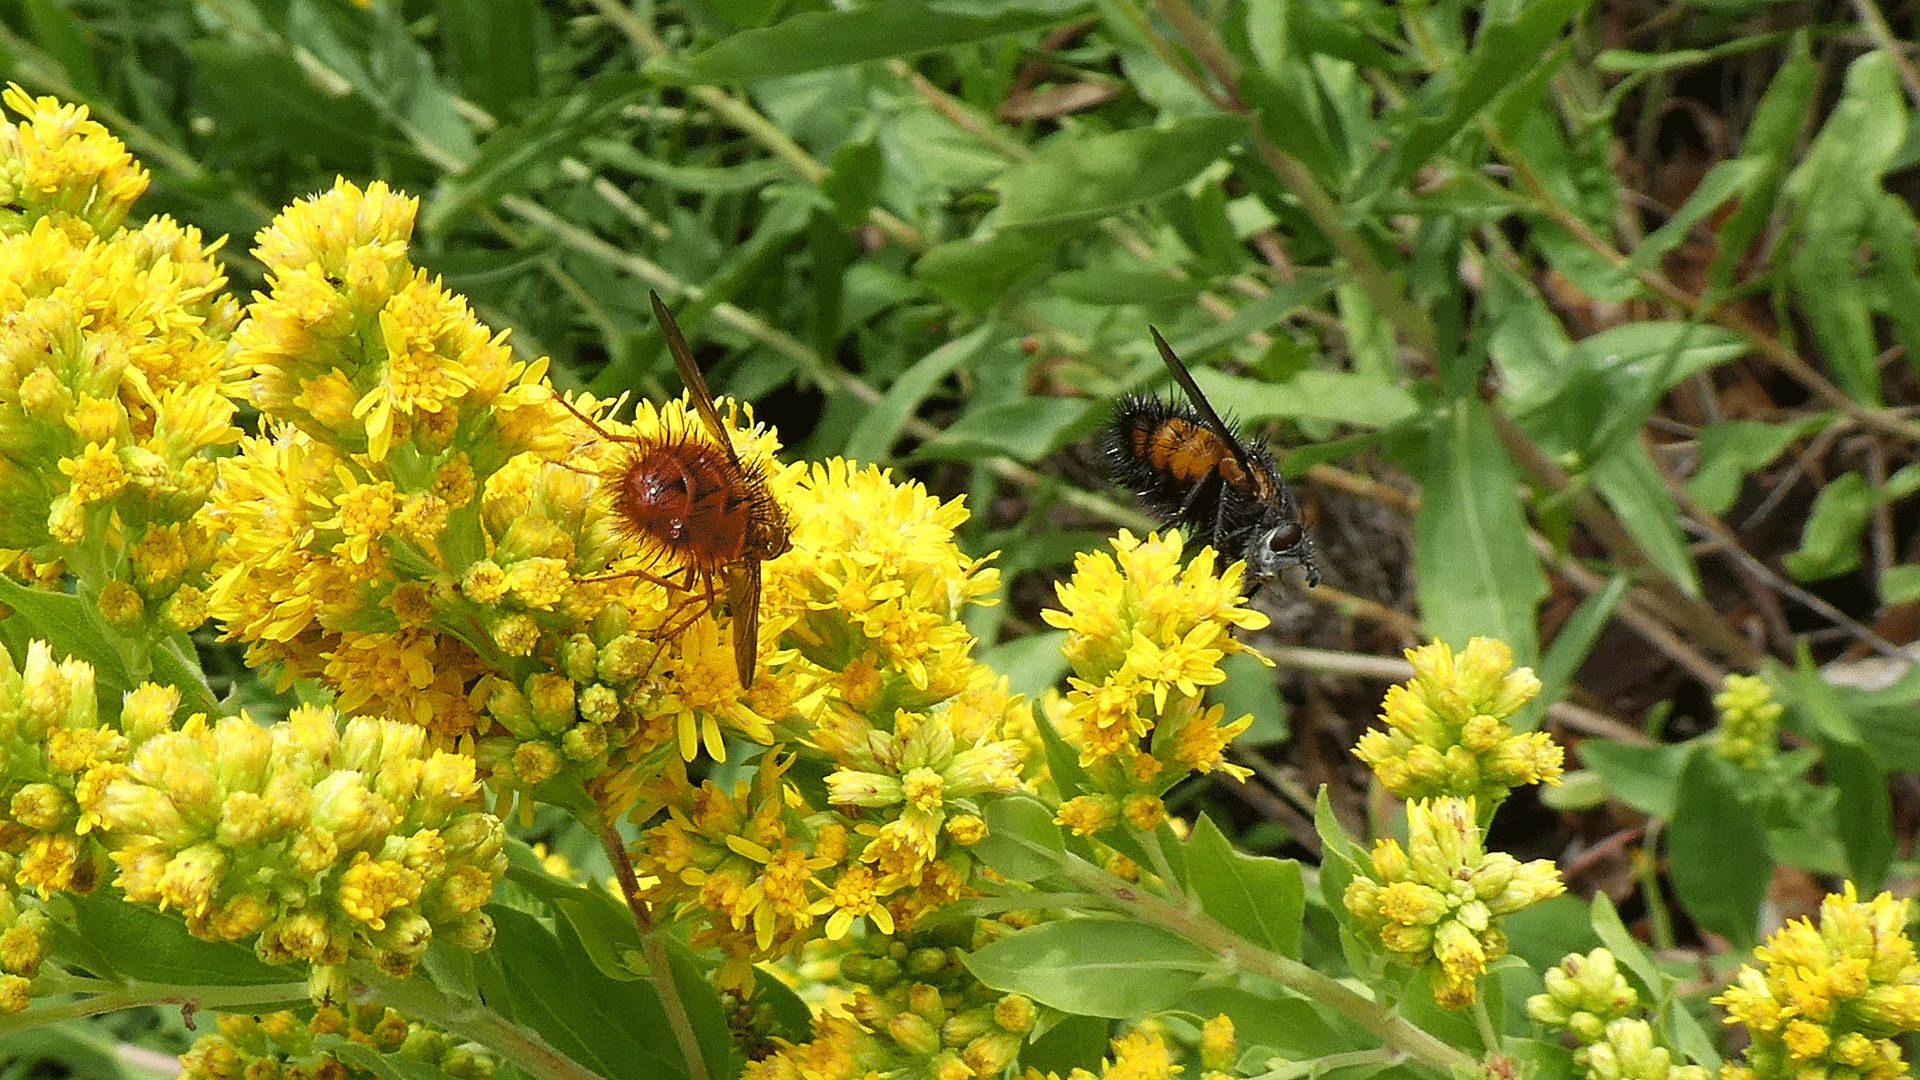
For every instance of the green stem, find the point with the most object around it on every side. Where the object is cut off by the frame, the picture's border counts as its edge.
(655, 950)
(102, 996)
(1396, 1033)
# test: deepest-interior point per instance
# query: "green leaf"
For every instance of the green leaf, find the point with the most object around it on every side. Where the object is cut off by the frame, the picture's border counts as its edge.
(1591, 399)
(62, 35)
(1773, 140)
(519, 156)
(1899, 585)
(822, 39)
(873, 438)
(141, 943)
(1025, 430)
(1119, 285)
(1031, 663)
(1022, 841)
(853, 181)
(1286, 1026)
(1077, 179)
(1724, 182)
(975, 273)
(1569, 648)
(493, 49)
(1644, 777)
(1638, 493)
(1627, 950)
(73, 628)
(1259, 898)
(1717, 851)
(1505, 54)
(1830, 541)
(548, 982)
(1836, 190)
(1115, 968)
(1477, 572)
(1864, 816)
(1345, 397)
(1732, 449)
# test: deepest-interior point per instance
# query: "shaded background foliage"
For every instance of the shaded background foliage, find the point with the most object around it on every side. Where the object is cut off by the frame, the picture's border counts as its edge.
(1591, 326)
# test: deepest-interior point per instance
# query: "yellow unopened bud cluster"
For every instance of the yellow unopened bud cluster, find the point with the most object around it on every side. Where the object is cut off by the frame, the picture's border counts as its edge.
(1749, 721)
(1832, 1000)
(319, 842)
(1436, 903)
(1446, 729)
(1588, 998)
(280, 1044)
(56, 757)
(1584, 994)
(1145, 637)
(929, 1016)
(26, 935)
(112, 371)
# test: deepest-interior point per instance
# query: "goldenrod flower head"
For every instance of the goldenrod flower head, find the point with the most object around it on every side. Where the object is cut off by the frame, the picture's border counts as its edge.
(325, 841)
(280, 1044)
(876, 581)
(115, 348)
(1219, 1049)
(56, 755)
(1584, 994)
(1626, 1050)
(1446, 732)
(1749, 719)
(58, 165)
(1833, 999)
(1435, 904)
(1145, 637)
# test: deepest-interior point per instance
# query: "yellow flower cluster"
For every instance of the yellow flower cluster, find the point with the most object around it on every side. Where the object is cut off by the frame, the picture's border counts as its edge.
(1446, 728)
(1749, 721)
(1832, 1000)
(280, 1044)
(1587, 997)
(389, 408)
(1435, 904)
(916, 1011)
(59, 754)
(1145, 637)
(26, 937)
(878, 688)
(425, 529)
(318, 842)
(326, 842)
(112, 373)
(1137, 1055)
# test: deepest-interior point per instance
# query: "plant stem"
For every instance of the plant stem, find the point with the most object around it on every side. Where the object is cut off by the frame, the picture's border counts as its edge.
(1395, 1032)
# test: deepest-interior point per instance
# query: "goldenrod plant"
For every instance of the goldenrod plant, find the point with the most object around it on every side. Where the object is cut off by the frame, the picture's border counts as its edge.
(879, 860)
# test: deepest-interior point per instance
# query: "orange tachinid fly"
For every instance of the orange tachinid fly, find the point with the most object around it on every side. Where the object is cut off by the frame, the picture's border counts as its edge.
(696, 498)
(1191, 470)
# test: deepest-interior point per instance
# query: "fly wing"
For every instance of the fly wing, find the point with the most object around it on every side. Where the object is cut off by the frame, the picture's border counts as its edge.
(1185, 379)
(690, 374)
(743, 600)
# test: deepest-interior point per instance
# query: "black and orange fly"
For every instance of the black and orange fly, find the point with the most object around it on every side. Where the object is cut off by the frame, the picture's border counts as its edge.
(1191, 470)
(695, 498)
